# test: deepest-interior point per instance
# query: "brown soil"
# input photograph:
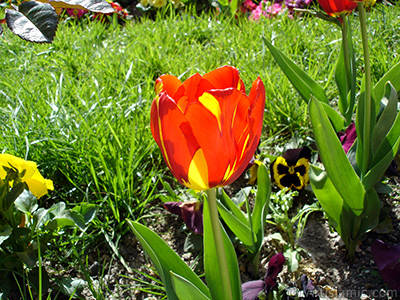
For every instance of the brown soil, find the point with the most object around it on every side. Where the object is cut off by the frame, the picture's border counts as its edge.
(324, 260)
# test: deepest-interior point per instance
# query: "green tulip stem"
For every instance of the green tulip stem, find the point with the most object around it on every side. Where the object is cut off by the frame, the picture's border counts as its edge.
(368, 101)
(219, 244)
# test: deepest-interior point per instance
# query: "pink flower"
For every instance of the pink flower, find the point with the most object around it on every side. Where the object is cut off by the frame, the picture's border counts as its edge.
(248, 6)
(274, 9)
(76, 13)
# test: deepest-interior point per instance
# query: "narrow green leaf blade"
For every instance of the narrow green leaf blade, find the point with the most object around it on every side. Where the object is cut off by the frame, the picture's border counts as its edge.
(261, 204)
(165, 259)
(386, 119)
(383, 156)
(229, 204)
(34, 22)
(185, 290)
(341, 82)
(340, 171)
(393, 75)
(241, 230)
(337, 120)
(327, 195)
(302, 82)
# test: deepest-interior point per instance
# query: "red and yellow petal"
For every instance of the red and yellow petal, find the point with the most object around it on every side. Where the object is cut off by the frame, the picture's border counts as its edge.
(337, 7)
(168, 84)
(173, 135)
(225, 77)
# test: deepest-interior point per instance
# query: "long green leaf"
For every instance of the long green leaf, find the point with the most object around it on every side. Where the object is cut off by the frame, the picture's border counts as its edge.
(185, 290)
(338, 167)
(393, 75)
(337, 120)
(386, 119)
(229, 204)
(165, 260)
(213, 275)
(327, 195)
(341, 82)
(303, 83)
(241, 230)
(383, 156)
(371, 212)
(261, 204)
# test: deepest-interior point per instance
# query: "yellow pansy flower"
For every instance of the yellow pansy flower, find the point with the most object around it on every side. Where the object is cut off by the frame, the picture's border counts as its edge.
(27, 172)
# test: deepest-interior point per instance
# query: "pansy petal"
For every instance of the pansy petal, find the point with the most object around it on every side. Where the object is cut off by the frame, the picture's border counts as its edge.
(251, 289)
(37, 188)
(275, 266)
(387, 259)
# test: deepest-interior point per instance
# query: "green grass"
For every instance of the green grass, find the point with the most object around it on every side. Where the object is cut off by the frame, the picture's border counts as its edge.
(80, 106)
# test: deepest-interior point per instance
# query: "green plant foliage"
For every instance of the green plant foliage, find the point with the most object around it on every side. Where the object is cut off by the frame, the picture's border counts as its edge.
(249, 228)
(168, 264)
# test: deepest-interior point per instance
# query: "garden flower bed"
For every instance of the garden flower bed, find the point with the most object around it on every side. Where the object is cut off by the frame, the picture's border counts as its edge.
(276, 172)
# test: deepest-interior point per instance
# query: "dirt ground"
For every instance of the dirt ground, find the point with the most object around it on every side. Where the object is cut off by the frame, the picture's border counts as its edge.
(324, 259)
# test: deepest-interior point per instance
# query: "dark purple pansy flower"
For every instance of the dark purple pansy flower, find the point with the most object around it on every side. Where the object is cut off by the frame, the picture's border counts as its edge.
(190, 211)
(348, 137)
(387, 259)
(251, 289)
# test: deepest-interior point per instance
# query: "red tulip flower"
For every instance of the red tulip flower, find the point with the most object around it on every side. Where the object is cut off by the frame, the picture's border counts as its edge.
(207, 127)
(337, 7)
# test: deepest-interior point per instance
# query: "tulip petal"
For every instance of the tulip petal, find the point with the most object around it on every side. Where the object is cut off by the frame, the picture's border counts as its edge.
(173, 135)
(198, 172)
(167, 83)
(225, 77)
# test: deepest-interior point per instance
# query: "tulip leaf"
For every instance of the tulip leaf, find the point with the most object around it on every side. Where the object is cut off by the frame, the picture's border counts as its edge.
(212, 272)
(346, 79)
(302, 82)
(337, 120)
(383, 155)
(370, 217)
(261, 204)
(341, 83)
(165, 260)
(327, 195)
(393, 75)
(185, 290)
(387, 118)
(229, 204)
(34, 21)
(241, 230)
(336, 163)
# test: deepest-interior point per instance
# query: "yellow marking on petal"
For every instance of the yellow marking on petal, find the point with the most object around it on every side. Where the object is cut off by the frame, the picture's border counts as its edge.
(229, 172)
(233, 117)
(159, 86)
(198, 172)
(212, 105)
(245, 145)
(239, 86)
